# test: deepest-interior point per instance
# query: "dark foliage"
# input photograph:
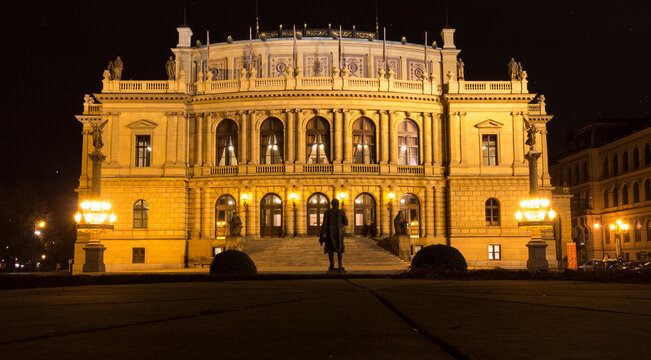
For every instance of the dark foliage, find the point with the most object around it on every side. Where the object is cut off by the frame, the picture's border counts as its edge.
(233, 262)
(438, 258)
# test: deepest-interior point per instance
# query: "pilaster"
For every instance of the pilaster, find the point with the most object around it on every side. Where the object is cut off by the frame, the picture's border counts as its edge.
(429, 211)
(198, 143)
(384, 137)
(393, 138)
(300, 132)
(348, 137)
(172, 136)
(243, 137)
(338, 137)
(427, 137)
(114, 140)
(290, 136)
(255, 140)
(209, 139)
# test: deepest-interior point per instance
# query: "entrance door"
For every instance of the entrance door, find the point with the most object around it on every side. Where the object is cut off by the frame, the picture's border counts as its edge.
(271, 215)
(364, 212)
(224, 211)
(411, 209)
(317, 205)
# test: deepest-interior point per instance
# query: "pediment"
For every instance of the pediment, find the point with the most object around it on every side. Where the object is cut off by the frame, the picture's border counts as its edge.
(142, 124)
(489, 124)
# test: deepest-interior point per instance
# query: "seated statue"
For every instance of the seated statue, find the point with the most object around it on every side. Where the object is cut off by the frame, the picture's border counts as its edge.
(400, 224)
(235, 226)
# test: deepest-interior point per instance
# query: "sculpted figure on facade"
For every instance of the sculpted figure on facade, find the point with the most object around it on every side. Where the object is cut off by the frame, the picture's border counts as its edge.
(170, 68)
(531, 136)
(460, 69)
(97, 134)
(117, 68)
(400, 224)
(235, 226)
(512, 68)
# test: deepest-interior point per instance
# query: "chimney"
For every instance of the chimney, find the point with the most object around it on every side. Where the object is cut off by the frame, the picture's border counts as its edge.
(185, 36)
(448, 38)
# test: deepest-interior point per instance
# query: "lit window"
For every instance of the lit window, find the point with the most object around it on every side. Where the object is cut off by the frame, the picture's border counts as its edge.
(226, 136)
(407, 143)
(494, 252)
(489, 149)
(138, 255)
(317, 141)
(217, 250)
(271, 141)
(143, 150)
(363, 142)
(140, 214)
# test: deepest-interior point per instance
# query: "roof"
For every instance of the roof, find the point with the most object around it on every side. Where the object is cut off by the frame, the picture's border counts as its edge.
(604, 131)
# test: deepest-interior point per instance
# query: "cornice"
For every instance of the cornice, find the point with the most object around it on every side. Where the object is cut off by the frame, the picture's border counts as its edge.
(489, 97)
(325, 94)
(141, 97)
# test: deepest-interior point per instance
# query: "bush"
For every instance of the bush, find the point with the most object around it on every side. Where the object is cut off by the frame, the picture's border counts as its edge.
(438, 258)
(233, 262)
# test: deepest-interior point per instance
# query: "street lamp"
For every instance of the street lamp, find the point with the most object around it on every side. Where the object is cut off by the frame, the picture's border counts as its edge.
(245, 198)
(341, 196)
(620, 228)
(390, 197)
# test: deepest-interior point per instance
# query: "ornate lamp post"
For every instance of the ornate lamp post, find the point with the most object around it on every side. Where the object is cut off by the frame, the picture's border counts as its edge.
(620, 228)
(535, 212)
(94, 214)
(245, 198)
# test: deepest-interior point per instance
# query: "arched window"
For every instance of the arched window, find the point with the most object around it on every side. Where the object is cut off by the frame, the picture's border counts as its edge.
(636, 158)
(624, 195)
(615, 164)
(647, 154)
(605, 198)
(271, 215)
(492, 212)
(226, 138)
(410, 207)
(584, 173)
(408, 143)
(363, 141)
(364, 211)
(271, 142)
(638, 231)
(615, 197)
(647, 190)
(625, 161)
(224, 211)
(636, 192)
(606, 168)
(317, 141)
(317, 205)
(140, 214)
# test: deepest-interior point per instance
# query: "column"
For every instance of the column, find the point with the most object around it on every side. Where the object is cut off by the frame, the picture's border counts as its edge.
(288, 215)
(170, 146)
(114, 159)
(195, 213)
(182, 156)
(208, 139)
(545, 160)
(437, 138)
(243, 139)
(427, 137)
(429, 211)
(393, 139)
(348, 138)
(84, 155)
(338, 140)
(301, 222)
(198, 159)
(385, 216)
(300, 132)
(384, 137)
(439, 211)
(290, 136)
(255, 140)
(207, 230)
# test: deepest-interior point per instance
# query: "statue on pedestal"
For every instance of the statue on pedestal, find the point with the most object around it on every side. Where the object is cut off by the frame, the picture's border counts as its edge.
(332, 234)
(512, 68)
(400, 224)
(170, 68)
(235, 226)
(460, 69)
(531, 135)
(117, 68)
(97, 134)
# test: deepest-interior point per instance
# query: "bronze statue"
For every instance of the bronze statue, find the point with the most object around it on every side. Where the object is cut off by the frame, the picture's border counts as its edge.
(400, 224)
(531, 135)
(97, 134)
(235, 226)
(170, 68)
(332, 234)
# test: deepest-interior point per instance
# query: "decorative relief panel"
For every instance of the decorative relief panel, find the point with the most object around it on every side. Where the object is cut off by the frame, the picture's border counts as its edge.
(356, 64)
(218, 69)
(392, 63)
(316, 65)
(415, 69)
(240, 62)
(278, 64)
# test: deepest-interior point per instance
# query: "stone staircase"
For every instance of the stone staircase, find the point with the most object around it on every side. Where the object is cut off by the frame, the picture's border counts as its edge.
(304, 254)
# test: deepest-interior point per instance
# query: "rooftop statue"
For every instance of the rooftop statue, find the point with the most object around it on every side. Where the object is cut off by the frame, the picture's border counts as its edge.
(512, 68)
(117, 69)
(460, 69)
(170, 68)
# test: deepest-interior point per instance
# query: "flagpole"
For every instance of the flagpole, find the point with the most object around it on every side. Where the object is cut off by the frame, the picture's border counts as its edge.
(250, 49)
(384, 48)
(426, 67)
(208, 55)
(341, 56)
(294, 55)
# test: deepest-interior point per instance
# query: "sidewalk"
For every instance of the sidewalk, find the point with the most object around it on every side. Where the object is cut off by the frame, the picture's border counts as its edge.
(329, 319)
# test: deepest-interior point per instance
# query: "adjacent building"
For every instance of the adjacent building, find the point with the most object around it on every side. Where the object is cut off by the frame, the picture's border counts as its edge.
(273, 128)
(607, 169)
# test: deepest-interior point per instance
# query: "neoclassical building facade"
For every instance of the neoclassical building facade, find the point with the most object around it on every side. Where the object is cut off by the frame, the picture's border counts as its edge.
(272, 129)
(608, 171)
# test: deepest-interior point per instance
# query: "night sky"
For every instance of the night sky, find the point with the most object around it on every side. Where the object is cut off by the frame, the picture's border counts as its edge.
(589, 62)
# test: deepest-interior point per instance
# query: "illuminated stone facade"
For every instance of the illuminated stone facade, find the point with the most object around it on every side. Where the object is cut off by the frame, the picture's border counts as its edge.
(184, 154)
(608, 172)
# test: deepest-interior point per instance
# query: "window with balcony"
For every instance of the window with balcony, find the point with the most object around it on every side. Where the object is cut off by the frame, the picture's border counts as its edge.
(317, 137)
(143, 150)
(226, 143)
(363, 141)
(408, 152)
(271, 142)
(489, 149)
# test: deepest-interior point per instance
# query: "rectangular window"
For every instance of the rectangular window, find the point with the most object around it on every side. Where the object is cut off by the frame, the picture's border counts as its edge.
(494, 252)
(143, 150)
(217, 250)
(489, 149)
(138, 255)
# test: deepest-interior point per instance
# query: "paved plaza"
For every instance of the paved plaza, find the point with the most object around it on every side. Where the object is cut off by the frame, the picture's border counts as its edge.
(329, 319)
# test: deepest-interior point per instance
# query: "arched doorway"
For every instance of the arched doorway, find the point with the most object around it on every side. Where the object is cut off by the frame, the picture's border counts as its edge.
(410, 207)
(364, 212)
(271, 215)
(224, 210)
(317, 204)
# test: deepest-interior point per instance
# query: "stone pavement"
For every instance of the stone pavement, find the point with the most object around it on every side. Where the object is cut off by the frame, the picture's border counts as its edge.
(329, 319)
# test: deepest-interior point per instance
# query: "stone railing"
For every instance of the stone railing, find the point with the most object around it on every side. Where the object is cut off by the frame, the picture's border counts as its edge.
(537, 108)
(380, 84)
(411, 169)
(270, 169)
(365, 168)
(92, 109)
(317, 168)
(224, 170)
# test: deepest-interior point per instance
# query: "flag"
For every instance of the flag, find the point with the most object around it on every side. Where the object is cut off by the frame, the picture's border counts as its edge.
(250, 49)
(341, 56)
(208, 55)
(426, 67)
(384, 48)
(294, 49)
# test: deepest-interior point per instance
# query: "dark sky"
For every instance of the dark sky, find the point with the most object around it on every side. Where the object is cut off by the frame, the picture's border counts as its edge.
(589, 61)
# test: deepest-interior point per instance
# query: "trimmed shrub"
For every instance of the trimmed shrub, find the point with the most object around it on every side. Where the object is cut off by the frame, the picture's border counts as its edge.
(438, 258)
(233, 262)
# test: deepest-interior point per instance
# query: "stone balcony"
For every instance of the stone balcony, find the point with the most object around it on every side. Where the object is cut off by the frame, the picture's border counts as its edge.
(318, 170)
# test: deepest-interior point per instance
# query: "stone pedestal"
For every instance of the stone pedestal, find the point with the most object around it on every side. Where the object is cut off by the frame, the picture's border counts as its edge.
(94, 257)
(537, 258)
(404, 247)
